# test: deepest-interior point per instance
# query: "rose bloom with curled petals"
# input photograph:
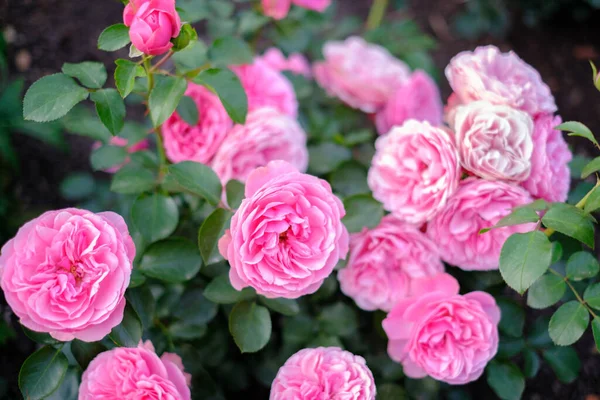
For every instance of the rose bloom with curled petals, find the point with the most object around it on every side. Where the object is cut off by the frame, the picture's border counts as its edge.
(184, 142)
(295, 63)
(267, 87)
(414, 171)
(278, 9)
(361, 74)
(477, 204)
(494, 141)
(152, 24)
(66, 272)
(135, 373)
(419, 98)
(287, 236)
(122, 142)
(324, 373)
(442, 334)
(499, 78)
(267, 135)
(550, 177)
(384, 262)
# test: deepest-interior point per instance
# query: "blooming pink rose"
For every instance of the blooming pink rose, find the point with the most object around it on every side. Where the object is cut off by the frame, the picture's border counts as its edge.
(278, 9)
(384, 262)
(135, 373)
(152, 24)
(443, 334)
(267, 135)
(419, 98)
(122, 142)
(550, 177)
(315, 5)
(494, 141)
(66, 272)
(198, 143)
(477, 204)
(324, 373)
(500, 78)
(414, 171)
(267, 87)
(363, 75)
(295, 63)
(287, 236)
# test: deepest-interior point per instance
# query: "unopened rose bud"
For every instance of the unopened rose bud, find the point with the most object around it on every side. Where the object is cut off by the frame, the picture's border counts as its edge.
(187, 35)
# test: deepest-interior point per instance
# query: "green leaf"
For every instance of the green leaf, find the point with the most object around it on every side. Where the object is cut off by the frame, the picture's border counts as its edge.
(134, 133)
(129, 332)
(198, 179)
(165, 97)
(362, 211)
(143, 304)
(506, 380)
(114, 37)
(110, 108)
(40, 337)
(568, 323)
(85, 352)
(520, 215)
(186, 331)
(190, 58)
(188, 110)
(235, 193)
(52, 97)
(531, 363)
(298, 330)
(564, 361)
(210, 232)
(349, 178)
(325, 157)
(42, 373)
(509, 347)
(227, 86)
(82, 122)
(287, 307)
(108, 156)
(77, 186)
(571, 221)
(546, 291)
(69, 388)
(513, 318)
(171, 260)
(132, 180)
(229, 50)
(155, 216)
(90, 74)
(250, 326)
(251, 21)
(593, 202)
(592, 296)
(338, 319)
(390, 391)
(194, 308)
(125, 75)
(577, 129)
(590, 168)
(582, 265)
(137, 278)
(220, 291)
(596, 332)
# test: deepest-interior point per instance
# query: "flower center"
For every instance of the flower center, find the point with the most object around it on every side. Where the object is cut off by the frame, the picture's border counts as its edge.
(76, 272)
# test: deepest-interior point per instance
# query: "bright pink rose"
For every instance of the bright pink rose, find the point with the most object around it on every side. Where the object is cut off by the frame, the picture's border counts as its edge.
(500, 78)
(135, 373)
(494, 141)
(66, 272)
(550, 177)
(414, 170)
(363, 75)
(477, 204)
(443, 334)
(266, 136)
(152, 24)
(295, 63)
(384, 262)
(315, 5)
(287, 236)
(419, 98)
(267, 87)
(324, 373)
(122, 142)
(198, 143)
(278, 9)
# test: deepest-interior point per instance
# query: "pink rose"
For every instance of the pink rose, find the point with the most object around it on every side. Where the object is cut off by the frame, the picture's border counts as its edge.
(324, 373)
(122, 142)
(414, 171)
(500, 78)
(419, 98)
(477, 204)
(550, 177)
(266, 136)
(494, 141)
(278, 9)
(198, 143)
(287, 236)
(443, 334)
(295, 63)
(152, 24)
(66, 272)
(135, 373)
(267, 87)
(385, 261)
(315, 5)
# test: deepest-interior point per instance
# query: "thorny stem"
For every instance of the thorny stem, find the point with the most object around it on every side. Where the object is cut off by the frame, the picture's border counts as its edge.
(577, 295)
(376, 14)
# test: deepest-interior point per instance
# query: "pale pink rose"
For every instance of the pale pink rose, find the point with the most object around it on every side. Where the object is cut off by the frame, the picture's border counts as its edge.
(295, 63)
(287, 236)
(385, 261)
(122, 142)
(419, 98)
(500, 78)
(452, 104)
(440, 333)
(276, 9)
(494, 141)
(324, 373)
(315, 5)
(361, 74)
(66, 272)
(152, 24)
(135, 373)
(414, 170)
(200, 142)
(267, 87)
(550, 177)
(477, 204)
(267, 135)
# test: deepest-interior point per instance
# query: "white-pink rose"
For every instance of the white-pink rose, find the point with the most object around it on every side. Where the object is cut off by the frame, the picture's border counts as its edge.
(278, 9)
(295, 63)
